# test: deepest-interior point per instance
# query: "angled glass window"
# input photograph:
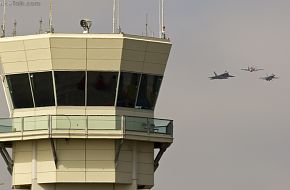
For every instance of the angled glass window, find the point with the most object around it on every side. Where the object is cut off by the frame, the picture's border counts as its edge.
(127, 92)
(70, 88)
(42, 87)
(20, 90)
(148, 91)
(101, 88)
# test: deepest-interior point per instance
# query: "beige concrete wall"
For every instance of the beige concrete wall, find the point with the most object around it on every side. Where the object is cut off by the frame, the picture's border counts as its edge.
(46, 172)
(100, 161)
(80, 52)
(34, 111)
(86, 161)
(78, 110)
(86, 54)
(133, 55)
(83, 161)
(25, 56)
(104, 54)
(22, 156)
(145, 56)
(77, 186)
(145, 163)
(12, 57)
(124, 163)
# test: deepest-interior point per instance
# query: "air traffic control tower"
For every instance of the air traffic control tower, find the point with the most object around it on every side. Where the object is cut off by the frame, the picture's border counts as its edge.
(82, 110)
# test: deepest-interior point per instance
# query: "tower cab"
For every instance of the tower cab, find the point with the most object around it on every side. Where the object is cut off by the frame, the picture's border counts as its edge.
(82, 110)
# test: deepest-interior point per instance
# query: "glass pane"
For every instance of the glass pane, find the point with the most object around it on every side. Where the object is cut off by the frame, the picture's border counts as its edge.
(6, 126)
(20, 90)
(70, 88)
(139, 124)
(148, 91)
(104, 122)
(128, 89)
(17, 124)
(10, 125)
(160, 126)
(42, 86)
(69, 122)
(101, 88)
(36, 123)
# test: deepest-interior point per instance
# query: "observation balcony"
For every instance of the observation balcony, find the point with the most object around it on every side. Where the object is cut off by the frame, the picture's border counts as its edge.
(86, 127)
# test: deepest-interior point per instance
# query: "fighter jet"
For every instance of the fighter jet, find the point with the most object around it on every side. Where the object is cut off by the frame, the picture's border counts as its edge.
(269, 78)
(225, 75)
(252, 69)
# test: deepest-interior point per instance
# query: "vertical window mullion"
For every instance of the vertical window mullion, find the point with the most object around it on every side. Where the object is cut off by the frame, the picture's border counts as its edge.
(117, 89)
(86, 88)
(31, 86)
(54, 88)
(138, 88)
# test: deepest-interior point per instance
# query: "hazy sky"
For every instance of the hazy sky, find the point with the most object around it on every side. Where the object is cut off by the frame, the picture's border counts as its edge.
(229, 134)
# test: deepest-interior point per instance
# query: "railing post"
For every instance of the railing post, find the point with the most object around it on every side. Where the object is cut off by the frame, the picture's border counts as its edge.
(171, 128)
(148, 126)
(48, 127)
(87, 126)
(22, 126)
(123, 124)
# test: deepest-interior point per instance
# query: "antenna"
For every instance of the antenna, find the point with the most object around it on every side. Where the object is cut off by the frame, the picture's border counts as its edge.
(14, 28)
(146, 25)
(40, 26)
(51, 29)
(148, 31)
(3, 27)
(116, 16)
(161, 19)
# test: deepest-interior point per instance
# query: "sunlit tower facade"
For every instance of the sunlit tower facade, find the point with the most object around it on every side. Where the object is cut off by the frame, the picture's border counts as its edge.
(82, 110)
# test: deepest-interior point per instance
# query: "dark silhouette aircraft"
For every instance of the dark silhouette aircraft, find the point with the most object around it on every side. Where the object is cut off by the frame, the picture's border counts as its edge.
(225, 75)
(269, 78)
(252, 69)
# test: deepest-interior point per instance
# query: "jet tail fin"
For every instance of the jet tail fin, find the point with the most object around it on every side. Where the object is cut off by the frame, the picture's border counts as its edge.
(215, 74)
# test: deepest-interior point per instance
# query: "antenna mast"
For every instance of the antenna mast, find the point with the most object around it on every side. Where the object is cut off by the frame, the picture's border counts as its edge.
(146, 26)
(40, 26)
(3, 27)
(14, 28)
(161, 19)
(51, 29)
(116, 16)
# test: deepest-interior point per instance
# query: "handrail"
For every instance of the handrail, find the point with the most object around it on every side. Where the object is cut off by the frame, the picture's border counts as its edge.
(87, 123)
(88, 115)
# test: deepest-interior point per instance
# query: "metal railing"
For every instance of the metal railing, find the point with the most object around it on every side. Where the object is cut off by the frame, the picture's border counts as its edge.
(53, 123)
